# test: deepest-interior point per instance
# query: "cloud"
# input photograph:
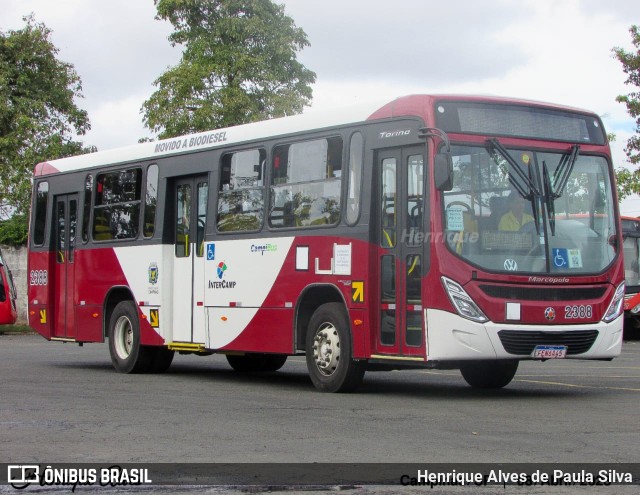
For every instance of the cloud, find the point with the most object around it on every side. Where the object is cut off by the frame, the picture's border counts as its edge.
(116, 123)
(364, 50)
(117, 48)
(406, 41)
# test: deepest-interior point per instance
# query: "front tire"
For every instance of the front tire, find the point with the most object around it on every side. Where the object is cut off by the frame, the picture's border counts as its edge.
(489, 374)
(127, 354)
(329, 351)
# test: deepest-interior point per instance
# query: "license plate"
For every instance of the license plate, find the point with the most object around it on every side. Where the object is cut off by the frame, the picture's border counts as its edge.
(550, 351)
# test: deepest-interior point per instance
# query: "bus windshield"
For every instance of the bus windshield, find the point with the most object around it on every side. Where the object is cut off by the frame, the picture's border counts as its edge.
(519, 210)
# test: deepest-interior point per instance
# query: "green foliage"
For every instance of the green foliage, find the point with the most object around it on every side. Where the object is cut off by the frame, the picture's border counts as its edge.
(13, 231)
(239, 65)
(38, 114)
(628, 181)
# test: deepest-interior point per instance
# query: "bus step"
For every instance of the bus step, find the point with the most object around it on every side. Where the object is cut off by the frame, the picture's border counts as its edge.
(185, 347)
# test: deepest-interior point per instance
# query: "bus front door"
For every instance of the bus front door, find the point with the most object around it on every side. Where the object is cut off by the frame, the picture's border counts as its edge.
(190, 216)
(65, 218)
(400, 198)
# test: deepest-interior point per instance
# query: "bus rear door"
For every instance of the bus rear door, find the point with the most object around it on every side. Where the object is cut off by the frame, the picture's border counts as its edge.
(188, 322)
(63, 283)
(400, 194)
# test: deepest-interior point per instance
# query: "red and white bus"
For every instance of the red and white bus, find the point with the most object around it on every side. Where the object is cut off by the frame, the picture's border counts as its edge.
(631, 235)
(368, 241)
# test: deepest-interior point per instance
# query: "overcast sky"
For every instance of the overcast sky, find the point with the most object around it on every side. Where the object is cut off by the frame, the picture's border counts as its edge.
(549, 50)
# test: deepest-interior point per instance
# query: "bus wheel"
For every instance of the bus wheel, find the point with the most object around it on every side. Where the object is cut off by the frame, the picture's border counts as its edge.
(328, 345)
(161, 360)
(489, 374)
(127, 355)
(273, 362)
(256, 362)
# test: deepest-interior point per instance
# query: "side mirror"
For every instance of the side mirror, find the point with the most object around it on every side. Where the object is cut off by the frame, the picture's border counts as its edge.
(443, 172)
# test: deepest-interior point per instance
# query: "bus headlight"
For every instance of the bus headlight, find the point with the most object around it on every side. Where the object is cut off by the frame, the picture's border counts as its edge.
(615, 308)
(463, 302)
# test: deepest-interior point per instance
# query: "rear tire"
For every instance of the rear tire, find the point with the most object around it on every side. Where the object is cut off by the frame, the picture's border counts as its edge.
(329, 351)
(127, 354)
(489, 374)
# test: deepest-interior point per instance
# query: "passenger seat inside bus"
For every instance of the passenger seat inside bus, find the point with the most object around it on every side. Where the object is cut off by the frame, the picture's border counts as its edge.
(101, 229)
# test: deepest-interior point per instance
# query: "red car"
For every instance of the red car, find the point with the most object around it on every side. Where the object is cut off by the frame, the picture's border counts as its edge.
(8, 312)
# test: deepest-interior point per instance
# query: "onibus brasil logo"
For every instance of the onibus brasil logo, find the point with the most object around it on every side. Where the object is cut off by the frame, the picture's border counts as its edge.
(22, 476)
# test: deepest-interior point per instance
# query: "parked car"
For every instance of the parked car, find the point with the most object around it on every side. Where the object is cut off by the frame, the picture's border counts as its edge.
(8, 311)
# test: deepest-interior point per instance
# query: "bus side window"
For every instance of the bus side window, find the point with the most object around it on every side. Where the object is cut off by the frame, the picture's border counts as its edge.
(355, 178)
(151, 201)
(88, 191)
(40, 214)
(306, 184)
(203, 196)
(183, 221)
(241, 191)
(116, 209)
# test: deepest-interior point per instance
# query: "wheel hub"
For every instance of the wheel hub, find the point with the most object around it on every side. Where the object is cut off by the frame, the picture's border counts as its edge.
(123, 335)
(326, 349)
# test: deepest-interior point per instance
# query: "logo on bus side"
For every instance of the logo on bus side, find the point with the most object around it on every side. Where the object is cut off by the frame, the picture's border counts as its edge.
(222, 267)
(221, 283)
(391, 134)
(153, 273)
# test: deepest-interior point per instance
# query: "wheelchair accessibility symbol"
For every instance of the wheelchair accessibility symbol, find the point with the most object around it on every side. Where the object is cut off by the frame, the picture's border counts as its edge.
(211, 251)
(561, 258)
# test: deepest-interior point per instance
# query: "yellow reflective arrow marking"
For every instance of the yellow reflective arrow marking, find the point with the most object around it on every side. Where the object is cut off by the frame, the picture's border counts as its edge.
(357, 291)
(154, 318)
(43, 316)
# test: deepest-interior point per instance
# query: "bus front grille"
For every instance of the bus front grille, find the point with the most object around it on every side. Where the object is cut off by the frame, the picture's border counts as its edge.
(514, 292)
(522, 342)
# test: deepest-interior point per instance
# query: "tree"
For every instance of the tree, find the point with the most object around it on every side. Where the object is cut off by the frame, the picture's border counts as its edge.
(628, 181)
(239, 65)
(38, 115)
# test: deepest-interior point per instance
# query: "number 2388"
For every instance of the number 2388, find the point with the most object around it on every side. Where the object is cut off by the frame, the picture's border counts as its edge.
(578, 312)
(38, 277)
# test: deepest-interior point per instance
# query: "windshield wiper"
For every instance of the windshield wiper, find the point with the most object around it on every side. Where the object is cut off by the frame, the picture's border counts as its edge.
(494, 147)
(563, 172)
(553, 191)
(549, 197)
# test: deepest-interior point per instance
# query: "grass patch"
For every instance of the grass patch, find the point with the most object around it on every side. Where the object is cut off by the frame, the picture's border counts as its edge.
(15, 329)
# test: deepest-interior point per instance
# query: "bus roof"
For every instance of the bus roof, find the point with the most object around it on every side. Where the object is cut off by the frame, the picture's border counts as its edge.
(413, 105)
